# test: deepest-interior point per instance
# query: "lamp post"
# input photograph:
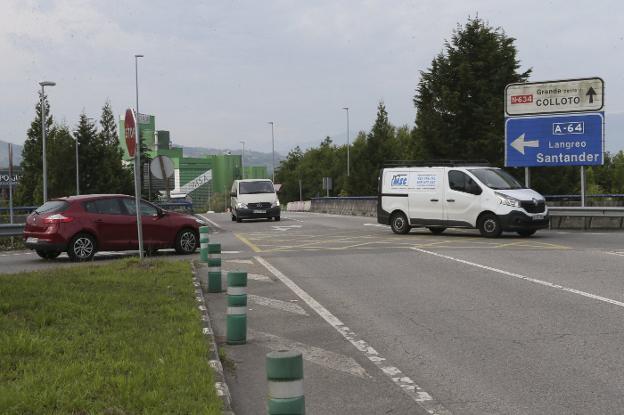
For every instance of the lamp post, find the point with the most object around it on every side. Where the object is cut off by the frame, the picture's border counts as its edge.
(273, 148)
(77, 168)
(138, 169)
(243, 160)
(348, 143)
(43, 138)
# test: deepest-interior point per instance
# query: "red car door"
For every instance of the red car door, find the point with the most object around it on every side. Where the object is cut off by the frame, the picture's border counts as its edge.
(113, 227)
(156, 228)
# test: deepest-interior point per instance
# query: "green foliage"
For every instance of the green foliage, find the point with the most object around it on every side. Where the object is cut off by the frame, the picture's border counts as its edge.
(459, 100)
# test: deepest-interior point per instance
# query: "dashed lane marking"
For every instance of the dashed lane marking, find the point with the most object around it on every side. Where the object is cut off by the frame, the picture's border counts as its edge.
(525, 278)
(312, 354)
(277, 304)
(239, 261)
(407, 385)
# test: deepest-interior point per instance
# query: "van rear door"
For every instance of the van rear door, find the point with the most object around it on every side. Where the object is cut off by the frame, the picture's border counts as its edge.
(394, 192)
(426, 193)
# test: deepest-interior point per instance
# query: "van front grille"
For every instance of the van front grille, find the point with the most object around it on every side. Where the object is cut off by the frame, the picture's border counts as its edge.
(260, 205)
(537, 206)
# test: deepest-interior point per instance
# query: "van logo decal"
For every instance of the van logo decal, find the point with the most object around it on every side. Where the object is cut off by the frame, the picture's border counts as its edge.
(399, 180)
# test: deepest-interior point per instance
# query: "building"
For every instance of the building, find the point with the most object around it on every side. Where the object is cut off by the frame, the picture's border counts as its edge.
(196, 177)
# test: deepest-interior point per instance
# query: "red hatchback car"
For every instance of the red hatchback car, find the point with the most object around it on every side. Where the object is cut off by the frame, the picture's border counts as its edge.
(83, 225)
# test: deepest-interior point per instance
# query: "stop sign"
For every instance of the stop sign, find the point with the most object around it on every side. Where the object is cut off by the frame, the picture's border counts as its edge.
(130, 127)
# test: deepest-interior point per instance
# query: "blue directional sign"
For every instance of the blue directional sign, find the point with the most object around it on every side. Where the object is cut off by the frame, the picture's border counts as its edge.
(563, 140)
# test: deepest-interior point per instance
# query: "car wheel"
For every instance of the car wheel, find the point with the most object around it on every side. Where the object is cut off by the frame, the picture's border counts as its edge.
(527, 233)
(186, 242)
(277, 218)
(398, 223)
(238, 220)
(233, 218)
(436, 230)
(48, 254)
(489, 226)
(82, 247)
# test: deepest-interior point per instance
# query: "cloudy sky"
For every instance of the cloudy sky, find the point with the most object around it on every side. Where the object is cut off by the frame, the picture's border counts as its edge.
(216, 71)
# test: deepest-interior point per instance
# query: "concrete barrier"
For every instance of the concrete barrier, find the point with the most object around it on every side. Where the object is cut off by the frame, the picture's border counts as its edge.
(352, 206)
(299, 206)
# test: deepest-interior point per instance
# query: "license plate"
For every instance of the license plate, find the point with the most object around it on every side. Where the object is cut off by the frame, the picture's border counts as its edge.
(538, 217)
(259, 211)
(32, 240)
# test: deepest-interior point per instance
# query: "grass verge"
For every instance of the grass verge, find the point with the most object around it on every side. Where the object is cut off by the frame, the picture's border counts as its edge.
(123, 338)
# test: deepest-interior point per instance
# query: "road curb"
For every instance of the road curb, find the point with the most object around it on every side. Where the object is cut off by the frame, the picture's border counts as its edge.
(220, 384)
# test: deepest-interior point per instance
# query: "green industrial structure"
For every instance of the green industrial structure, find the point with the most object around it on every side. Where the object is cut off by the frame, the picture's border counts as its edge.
(195, 178)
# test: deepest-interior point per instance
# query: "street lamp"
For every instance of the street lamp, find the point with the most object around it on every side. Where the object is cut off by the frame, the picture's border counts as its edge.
(243, 159)
(138, 170)
(273, 148)
(77, 166)
(43, 138)
(348, 143)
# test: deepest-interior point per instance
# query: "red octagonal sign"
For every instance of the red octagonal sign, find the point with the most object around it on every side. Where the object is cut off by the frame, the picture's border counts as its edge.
(130, 127)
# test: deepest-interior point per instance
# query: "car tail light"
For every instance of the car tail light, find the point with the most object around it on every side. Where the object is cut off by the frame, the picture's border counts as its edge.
(58, 218)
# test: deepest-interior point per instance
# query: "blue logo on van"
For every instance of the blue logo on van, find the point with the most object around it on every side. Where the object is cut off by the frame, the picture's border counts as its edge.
(399, 180)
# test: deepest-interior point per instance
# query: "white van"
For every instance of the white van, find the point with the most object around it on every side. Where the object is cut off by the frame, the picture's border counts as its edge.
(254, 198)
(456, 196)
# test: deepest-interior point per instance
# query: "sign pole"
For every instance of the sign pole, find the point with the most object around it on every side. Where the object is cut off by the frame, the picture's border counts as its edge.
(10, 183)
(582, 186)
(527, 177)
(131, 126)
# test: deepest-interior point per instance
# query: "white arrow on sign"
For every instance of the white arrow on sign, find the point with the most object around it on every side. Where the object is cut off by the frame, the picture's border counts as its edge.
(519, 143)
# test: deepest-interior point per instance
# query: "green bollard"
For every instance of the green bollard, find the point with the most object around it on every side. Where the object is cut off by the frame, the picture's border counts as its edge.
(236, 320)
(214, 268)
(285, 377)
(203, 243)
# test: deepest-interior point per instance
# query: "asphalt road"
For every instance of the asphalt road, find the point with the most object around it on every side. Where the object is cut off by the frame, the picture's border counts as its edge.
(422, 323)
(457, 324)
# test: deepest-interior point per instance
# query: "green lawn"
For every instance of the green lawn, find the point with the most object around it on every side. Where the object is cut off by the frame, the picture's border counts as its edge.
(121, 338)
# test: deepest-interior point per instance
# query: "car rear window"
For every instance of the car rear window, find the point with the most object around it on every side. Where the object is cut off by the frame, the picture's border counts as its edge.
(52, 206)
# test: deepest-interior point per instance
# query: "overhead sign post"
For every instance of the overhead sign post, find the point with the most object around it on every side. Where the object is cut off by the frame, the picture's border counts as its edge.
(130, 128)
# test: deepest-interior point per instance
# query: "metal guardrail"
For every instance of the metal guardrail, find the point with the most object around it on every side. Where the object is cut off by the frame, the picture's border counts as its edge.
(591, 211)
(15, 229)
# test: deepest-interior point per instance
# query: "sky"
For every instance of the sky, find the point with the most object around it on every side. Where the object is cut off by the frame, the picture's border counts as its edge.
(216, 72)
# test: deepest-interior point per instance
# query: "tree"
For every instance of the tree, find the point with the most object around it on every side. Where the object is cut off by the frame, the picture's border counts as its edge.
(118, 179)
(90, 155)
(459, 100)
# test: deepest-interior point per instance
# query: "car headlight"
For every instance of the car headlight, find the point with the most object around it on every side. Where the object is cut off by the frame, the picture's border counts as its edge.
(507, 200)
(241, 205)
(275, 204)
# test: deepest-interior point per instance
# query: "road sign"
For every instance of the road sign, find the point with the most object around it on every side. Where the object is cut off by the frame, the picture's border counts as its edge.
(161, 167)
(562, 140)
(130, 132)
(572, 95)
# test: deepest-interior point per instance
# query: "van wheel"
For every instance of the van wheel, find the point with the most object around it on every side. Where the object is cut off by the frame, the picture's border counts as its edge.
(399, 224)
(526, 233)
(233, 218)
(436, 230)
(81, 248)
(489, 226)
(277, 218)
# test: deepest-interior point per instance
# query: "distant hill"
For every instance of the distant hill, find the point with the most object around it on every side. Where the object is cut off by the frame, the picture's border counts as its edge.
(4, 154)
(252, 158)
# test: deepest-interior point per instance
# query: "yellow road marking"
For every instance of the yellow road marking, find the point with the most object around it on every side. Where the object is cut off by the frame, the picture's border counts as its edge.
(248, 243)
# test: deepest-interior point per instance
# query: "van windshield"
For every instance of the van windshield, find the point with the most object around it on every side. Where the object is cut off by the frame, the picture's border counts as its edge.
(246, 188)
(496, 179)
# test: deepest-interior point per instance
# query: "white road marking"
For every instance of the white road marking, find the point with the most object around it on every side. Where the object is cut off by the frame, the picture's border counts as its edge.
(379, 225)
(312, 354)
(277, 304)
(618, 253)
(212, 222)
(240, 261)
(407, 385)
(523, 277)
(285, 228)
(230, 252)
(258, 277)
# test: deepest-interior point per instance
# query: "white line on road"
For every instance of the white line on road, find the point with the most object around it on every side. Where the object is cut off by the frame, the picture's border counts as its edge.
(618, 253)
(524, 277)
(240, 261)
(214, 223)
(415, 392)
(379, 225)
(312, 354)
(230, 252)
(258, 277)
(277, 304)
